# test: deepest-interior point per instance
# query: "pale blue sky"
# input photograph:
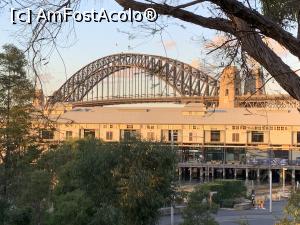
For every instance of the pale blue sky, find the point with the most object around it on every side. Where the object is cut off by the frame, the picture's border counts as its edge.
(95, 40)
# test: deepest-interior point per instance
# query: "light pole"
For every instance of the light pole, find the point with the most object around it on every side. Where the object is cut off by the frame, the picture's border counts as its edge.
(283, 179)
(270, 178)
(172, 207)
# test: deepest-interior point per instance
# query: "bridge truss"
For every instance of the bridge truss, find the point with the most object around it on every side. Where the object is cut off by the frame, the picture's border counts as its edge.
(127, 78)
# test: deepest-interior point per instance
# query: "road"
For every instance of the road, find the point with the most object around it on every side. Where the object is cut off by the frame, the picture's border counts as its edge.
(232, 217)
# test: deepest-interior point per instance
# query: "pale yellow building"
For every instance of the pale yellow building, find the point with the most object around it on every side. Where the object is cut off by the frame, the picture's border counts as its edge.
(212, 132)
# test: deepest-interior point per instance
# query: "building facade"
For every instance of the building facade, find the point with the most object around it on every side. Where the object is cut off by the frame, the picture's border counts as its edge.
(232, 134)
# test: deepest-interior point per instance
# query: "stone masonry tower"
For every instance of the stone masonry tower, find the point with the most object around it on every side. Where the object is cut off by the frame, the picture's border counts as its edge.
(254, 82)
(38, 101)
(230, 87)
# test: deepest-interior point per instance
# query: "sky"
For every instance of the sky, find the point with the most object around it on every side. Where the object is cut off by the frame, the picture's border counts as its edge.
(96, 40)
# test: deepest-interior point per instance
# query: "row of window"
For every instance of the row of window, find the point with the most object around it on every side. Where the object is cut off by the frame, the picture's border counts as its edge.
(130, 126)
(281, 128)
(172, 135)
(167, 135)
(194, 127)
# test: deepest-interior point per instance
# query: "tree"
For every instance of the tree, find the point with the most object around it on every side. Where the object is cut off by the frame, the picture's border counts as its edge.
(18, 153)
(199, 209)
(105, 183)
(292, 210)
(283, 12)
(247, 25)
(16, 95)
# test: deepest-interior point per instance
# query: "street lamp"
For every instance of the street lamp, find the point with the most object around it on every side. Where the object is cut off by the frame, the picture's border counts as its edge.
(270, 180)
(210, 196)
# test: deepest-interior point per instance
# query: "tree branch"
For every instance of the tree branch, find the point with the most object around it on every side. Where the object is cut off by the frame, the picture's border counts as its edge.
(257, 49)
(267, 26)
(165, 9)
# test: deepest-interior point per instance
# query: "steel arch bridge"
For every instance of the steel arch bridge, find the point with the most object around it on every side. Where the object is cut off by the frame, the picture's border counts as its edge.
(131, 78)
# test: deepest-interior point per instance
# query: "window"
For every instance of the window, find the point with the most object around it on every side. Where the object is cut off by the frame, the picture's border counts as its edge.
(69, 135)
(109, 135)
(257, 136)
(194, 127)
(150, 136)
(47, 134)
(175, 135)
(129, 126)
(87, 133)
(190, 136)
(150, 126)
(111, 126)
(226, 92)
(129, 135)
(298, 136)
(215, 135)
(235, 137)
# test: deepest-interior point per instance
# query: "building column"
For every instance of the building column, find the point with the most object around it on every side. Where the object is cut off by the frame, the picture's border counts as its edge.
(293, 176)
(207, 173)
(224, 173)
(191, 173)
(247, 173)
(180, 173)
(258, 175)
(201, 173)
(212, 173)
(235, 173)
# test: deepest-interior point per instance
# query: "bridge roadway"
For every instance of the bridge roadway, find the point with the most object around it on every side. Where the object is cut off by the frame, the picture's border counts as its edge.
(158, 99)
(260, 101)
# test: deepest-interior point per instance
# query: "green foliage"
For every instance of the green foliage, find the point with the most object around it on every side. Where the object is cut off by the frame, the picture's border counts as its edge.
(230, 189)
(199, 209)
(19, 216)
(103, 183)
(16, 95)
(282, 11)
(227, 191)
(23, 189)
(292, 210)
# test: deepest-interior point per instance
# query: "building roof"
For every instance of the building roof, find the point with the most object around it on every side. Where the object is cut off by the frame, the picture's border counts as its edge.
(192, 114)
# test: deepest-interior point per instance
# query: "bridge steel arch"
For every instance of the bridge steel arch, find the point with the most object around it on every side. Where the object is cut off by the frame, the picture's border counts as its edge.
(183, 78)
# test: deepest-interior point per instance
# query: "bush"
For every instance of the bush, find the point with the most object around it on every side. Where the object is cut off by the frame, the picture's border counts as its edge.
(227, 203)
(226, 190)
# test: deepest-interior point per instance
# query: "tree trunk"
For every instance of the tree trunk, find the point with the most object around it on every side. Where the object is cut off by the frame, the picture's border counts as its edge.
(252, 43)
